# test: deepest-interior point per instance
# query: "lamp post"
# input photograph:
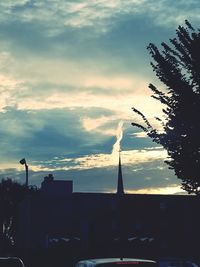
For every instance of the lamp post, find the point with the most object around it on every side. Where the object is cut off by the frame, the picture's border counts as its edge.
(23, 162)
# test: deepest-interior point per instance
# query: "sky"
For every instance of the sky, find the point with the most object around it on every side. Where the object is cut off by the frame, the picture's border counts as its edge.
(70, 73)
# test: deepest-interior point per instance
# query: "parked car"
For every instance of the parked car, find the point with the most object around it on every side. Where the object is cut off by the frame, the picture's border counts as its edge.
(176, 262)
(117, 262)
(11, 262)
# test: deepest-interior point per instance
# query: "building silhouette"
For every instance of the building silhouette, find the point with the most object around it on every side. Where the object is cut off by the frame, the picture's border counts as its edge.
(105, 224)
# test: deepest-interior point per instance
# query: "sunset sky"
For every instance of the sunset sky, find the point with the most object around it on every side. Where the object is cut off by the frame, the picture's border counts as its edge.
(70, 72)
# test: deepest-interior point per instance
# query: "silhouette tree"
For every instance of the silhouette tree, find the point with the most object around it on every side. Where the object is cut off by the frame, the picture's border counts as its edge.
(11, 194)
(177, 66)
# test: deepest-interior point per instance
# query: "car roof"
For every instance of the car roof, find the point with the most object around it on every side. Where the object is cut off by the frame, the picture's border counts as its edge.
(177, 261)
(11, 259)
(112, 260)
(174, 259)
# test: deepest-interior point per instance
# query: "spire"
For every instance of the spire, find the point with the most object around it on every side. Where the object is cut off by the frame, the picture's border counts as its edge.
(120, 187)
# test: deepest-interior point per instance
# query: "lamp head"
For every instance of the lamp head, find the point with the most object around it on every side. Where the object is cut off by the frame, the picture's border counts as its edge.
(23, 161)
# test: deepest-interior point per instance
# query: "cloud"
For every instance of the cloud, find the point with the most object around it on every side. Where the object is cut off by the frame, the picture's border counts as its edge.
(44, 134)
(167, 190)
(48, 82)
(38, 85)
(62, 14)
(55, 16)
(141, 178)
(131, 158)
(139, 135)
(93, 124)
(69, 72)
(72, 153)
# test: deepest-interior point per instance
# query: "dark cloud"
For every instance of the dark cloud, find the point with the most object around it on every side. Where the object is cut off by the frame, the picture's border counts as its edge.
(44, 134)
(130, 142)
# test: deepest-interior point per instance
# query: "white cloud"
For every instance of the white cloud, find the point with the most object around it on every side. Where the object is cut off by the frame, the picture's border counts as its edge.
(68, 86)
(167, 190)
(113, 82)
(8, 87)
(91, 73)
(91, 124)
(131, 157)
(139, 135)
(8, 82)
(102, 124)
(119, 103)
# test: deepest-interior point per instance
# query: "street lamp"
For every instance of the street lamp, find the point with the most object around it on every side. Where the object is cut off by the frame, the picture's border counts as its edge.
(23, 162)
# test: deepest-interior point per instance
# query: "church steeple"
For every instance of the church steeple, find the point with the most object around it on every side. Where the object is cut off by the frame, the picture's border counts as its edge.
(120, 186)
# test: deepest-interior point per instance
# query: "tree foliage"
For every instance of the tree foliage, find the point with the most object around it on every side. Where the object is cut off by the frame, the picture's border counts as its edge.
(177, 66)
(11, 194)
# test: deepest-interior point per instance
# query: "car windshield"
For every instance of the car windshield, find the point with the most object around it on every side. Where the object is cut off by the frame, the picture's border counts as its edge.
(128, 264)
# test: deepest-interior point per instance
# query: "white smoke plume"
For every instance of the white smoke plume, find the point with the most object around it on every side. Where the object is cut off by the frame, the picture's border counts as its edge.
(119, 136)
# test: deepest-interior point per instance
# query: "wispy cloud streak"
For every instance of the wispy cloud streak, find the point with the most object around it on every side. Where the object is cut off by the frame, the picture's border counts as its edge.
(119, 135)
